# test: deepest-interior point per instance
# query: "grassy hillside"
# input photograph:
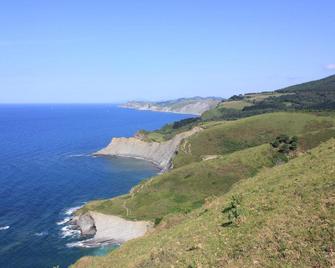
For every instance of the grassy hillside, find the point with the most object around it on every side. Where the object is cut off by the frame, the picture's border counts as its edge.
(311, 96)
(186, 188)
(314, 96)
(237, 150)
(320, 85)
(240, 194)
(282, 217)
(229, 136)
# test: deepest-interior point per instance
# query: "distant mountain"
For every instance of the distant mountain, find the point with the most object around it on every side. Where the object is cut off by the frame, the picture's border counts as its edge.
(196, 105)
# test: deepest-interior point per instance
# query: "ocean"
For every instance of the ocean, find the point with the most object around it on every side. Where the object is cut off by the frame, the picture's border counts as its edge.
(46, 171)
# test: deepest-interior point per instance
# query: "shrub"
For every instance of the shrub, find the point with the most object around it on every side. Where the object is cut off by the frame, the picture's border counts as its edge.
(284, 144)
(158, 221)
(233, 211)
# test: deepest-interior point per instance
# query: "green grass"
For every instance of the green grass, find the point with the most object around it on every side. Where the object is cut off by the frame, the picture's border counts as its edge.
(238, 105)
(238, 156)
(168, 131)
(285, 218)
(230, 136)
(256, 97)
(154, 137)
(186, 188)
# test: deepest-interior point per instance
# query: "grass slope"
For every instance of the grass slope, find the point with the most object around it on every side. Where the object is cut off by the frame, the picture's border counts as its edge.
(324, 84)
(286, 217)
(229, 136)
(316, 95)
(187, 187)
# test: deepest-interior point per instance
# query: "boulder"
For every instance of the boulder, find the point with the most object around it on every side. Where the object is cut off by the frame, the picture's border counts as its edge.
(86, 225)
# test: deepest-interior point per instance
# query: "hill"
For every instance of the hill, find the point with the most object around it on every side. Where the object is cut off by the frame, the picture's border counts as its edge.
(196, 105)
(211, 161)
(316, 95)
(283, 216)
(224, 137)
(253, 188)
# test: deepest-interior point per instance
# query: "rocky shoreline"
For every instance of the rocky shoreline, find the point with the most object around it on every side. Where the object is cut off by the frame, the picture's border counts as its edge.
(101, 229)
(97, 229)
(159, 153)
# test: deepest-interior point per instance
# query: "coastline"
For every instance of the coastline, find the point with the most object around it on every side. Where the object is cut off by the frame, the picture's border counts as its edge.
(159, 153)
(71, 176)
(158, 110)
(101, 229)
(156, 164)
(104, 229)
(111, 229)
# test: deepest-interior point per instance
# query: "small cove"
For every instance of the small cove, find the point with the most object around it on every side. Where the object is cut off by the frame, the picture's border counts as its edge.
(46, 168)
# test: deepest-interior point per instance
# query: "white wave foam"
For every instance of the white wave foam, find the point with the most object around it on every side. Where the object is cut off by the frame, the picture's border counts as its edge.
(42, 233)
(69, 231)
(91, 243)
(4, 228)
(64, 221)
(72, 210)
(77, 155)
(80, 244)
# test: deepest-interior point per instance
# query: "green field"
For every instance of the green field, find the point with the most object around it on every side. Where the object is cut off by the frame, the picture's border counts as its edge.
(255, 188)
(284, 217)
(315, 96)
(226, 137)
(241, 149)
(186, 188)
(238, 105)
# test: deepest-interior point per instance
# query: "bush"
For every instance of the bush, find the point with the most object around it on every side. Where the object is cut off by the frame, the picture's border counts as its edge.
(233, 211)
(158, 221)
(285, 144)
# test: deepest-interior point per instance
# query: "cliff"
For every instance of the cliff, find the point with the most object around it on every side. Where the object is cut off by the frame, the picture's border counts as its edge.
(280, 217)
(107, 229)
(196, 105)
(159, 153)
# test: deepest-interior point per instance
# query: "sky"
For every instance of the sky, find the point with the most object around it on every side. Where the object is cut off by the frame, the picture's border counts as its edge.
(83, 51)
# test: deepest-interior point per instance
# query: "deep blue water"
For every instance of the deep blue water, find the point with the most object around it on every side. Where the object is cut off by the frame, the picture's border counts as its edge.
(45, 169)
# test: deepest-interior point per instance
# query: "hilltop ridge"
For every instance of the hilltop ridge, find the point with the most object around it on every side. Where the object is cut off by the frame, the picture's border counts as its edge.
(253, 188)
(195, 105)
(281, 217)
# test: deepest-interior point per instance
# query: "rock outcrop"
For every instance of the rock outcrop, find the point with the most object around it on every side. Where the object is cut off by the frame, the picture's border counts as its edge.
(86, 225)
(117, 228)
(160, 153)
(107, 229)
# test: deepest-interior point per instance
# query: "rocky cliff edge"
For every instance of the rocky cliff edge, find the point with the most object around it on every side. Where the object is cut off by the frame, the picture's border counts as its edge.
(160, 153)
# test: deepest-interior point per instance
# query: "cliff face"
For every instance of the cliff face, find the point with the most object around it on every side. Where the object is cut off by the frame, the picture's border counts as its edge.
(159, 153)
(107, 229)
(194, 106)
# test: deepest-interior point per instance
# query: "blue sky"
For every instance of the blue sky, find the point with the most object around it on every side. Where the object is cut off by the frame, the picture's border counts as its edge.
(112, 51)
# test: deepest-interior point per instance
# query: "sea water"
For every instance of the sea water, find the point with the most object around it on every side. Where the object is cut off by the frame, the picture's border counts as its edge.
(47, 171)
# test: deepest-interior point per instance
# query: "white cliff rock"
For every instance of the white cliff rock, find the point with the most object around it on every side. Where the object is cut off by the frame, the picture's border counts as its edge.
(196, 105)
(86, 224)
(107, 229)
(159, 153)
